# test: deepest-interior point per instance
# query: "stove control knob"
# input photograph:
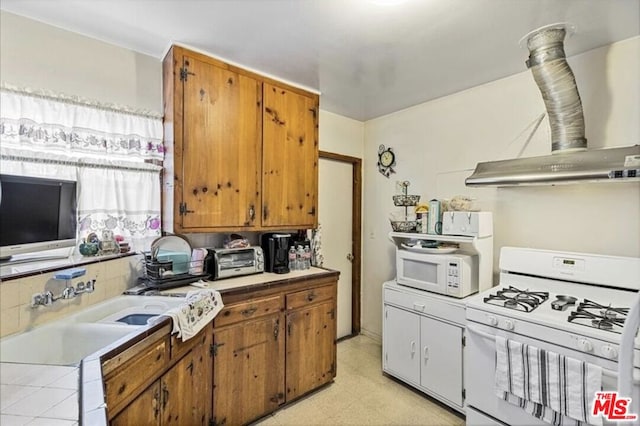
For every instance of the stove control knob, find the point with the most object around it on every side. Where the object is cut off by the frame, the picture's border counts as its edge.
(585, 346)
(508, 325)
(609, 352)
(492, 320)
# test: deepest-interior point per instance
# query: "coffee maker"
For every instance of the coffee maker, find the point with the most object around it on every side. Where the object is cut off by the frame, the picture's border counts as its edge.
(276, 252)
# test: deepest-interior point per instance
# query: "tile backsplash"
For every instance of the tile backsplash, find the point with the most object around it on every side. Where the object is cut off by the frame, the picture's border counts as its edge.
(16, 314)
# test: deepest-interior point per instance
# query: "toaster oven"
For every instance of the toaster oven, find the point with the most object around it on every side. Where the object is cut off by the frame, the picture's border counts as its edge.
(227, 263)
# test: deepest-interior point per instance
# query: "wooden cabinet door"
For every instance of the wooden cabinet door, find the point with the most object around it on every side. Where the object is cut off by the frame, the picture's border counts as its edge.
(441, 354)
(248, 372)
(177, 392)
(186, 392)
(311, 340)
(401, 344)
(221, 148)
(290, 158)
(144, 410)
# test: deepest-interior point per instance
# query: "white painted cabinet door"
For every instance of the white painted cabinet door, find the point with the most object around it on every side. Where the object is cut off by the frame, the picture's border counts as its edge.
(401, 344)
(441, 358)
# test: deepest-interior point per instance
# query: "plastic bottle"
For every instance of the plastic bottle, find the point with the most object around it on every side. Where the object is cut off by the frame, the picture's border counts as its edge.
(300, 258)
(307, 257)
(292, 259)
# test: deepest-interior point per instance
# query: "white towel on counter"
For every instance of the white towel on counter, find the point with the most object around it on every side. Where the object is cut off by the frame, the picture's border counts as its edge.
(199, 308)
(552, 387)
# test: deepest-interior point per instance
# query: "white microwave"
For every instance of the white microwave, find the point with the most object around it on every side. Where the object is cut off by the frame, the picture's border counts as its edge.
(453, 275)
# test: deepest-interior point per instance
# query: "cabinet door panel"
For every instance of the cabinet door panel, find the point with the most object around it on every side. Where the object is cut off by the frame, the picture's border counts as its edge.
(248, 372)
(401, 343)
(290, 159)
(441, 358)
(311, 340)
(221, 150)
(144, 410)
(177, 390)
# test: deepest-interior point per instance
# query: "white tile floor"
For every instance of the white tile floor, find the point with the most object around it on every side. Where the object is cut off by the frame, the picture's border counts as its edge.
(38, 395)
(362, 395)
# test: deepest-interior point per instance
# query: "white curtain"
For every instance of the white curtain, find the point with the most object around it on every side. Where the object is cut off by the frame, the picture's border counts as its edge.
(44, 122)
(123, 200)
(102, 147)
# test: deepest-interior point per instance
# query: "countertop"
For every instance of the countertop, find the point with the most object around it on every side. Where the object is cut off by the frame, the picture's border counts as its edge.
(29, 397)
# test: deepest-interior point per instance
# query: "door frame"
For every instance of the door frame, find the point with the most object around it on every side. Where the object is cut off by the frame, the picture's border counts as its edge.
(356, 234)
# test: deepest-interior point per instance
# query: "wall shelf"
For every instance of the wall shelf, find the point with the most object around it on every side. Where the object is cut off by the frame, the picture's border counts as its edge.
(481, 246)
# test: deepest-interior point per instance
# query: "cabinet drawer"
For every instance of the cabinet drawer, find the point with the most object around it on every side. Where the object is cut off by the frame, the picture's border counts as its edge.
(426, 303)
(248, 310)
(180, 348)
(126, 374)
(308, 297)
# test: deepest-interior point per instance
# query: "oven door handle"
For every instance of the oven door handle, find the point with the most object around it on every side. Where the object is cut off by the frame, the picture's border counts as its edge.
(605, 371)
(481, 333)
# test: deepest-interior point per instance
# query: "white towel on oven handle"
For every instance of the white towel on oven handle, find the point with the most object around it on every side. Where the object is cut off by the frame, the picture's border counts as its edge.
(550, 386)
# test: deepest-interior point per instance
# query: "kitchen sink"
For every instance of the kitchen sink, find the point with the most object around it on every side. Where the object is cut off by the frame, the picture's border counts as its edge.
(136, 319)
(68, 340)
(60, 343)
(112, 310)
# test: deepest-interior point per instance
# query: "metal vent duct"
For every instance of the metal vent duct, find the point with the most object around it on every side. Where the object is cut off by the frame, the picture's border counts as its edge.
(570, 162)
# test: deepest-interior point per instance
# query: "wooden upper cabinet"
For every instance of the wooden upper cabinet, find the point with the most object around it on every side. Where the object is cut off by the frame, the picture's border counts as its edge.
(221, 147)
(241, 149)
(290, 158)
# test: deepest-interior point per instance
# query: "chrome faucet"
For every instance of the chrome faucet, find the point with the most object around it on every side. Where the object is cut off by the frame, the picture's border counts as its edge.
(69, 293)
(42, 299)
(47, 298)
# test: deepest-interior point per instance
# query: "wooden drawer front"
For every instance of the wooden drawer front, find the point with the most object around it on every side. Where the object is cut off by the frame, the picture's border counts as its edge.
(308, 297)
(248, 310)
(180, 348)
(140, 370)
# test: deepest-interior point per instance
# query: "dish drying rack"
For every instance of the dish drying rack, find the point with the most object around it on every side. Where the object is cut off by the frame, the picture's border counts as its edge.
(406, 201)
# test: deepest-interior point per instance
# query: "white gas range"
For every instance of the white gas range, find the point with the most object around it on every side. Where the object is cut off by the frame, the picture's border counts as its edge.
(534, 306)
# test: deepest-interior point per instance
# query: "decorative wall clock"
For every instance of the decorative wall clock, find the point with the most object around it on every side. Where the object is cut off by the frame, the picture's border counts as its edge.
(386, 160)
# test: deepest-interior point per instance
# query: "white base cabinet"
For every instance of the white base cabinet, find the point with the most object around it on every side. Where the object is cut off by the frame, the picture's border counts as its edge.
(422, 342)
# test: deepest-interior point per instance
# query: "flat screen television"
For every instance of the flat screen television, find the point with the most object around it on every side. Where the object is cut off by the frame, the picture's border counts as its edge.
(36, 214)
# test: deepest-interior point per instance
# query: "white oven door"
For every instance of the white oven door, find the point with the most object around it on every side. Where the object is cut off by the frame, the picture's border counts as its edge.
(479, 373)
(423, 271)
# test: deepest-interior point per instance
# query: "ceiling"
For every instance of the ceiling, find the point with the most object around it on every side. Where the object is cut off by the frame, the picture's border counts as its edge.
(367, 57)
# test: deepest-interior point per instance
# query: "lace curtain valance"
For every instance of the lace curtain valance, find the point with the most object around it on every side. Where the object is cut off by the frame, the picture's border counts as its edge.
(39, 121)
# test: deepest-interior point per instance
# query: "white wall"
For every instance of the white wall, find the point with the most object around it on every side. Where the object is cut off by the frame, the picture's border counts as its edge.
(438, 144)
(340, 134)
(39, 56)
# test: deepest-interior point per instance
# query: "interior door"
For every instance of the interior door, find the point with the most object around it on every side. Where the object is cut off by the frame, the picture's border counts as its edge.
(401, 343)
(335, 216)
(441, 355)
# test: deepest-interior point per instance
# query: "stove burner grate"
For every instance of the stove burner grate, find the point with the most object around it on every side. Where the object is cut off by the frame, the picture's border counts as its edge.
(514, 298)
(595, 315)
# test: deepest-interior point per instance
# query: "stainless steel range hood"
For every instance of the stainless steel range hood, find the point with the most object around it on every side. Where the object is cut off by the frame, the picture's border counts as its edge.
(612, 164)
(570, 162)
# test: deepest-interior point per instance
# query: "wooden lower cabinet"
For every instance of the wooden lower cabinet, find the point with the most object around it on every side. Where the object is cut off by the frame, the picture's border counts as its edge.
(181, 396)
(284, 348)
(311, 350)
(248, 378)
(267, 347)
(144, 410)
